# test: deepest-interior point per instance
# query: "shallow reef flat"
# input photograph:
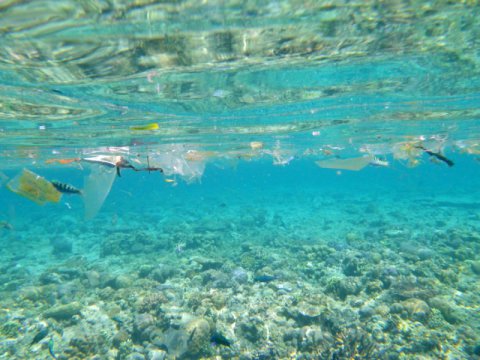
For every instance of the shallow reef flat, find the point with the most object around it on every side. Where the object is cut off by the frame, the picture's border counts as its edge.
(309, 277)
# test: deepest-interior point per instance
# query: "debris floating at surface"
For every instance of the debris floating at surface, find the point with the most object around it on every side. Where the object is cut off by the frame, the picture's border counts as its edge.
(353, 164)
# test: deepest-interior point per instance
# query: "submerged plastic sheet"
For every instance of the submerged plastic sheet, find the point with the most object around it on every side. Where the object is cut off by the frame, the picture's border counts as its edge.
(97, 186)
(175, 160)
(34, 187)
(3, 179)
(353, 164)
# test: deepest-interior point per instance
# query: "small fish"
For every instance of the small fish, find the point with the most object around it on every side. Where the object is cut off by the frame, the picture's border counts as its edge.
(40, 335)
(51, 344)
(219, 339)
(118, 319)
(65, 188)
(57, 92)
(264, 278)
(438, 156)
(6, 225)
(153, 126)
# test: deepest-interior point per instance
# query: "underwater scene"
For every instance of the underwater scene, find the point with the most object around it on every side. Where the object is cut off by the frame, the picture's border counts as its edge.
(227, 179)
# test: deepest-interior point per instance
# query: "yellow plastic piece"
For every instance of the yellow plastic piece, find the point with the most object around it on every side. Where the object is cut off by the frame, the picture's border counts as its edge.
(34, 187)
(256, 145)
(153, 126)
(410, 151)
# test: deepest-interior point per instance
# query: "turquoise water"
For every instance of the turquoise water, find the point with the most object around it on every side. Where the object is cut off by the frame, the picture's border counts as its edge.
(239, 180)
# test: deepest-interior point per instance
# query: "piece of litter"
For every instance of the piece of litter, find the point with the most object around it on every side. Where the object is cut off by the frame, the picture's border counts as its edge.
(153, 126)
(353, 164)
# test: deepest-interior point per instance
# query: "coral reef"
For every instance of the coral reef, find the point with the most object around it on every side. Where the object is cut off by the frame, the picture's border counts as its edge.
(306, 296)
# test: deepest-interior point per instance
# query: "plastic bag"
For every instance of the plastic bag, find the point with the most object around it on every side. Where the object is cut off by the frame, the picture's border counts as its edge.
(34, 187)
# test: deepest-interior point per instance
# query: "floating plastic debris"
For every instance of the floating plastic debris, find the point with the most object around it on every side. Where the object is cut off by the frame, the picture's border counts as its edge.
(408, 151)
(256, 145)
(468, 147)
(97, 187)
(379, 162)
(280, 155)
(195, 155)
(353, 164)
(34, 187)
(62, 161)
(172, 182)
(282, 162)
(219, 93)
(98, 183)
(153, 126)
(176, 160)
(108, 160)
